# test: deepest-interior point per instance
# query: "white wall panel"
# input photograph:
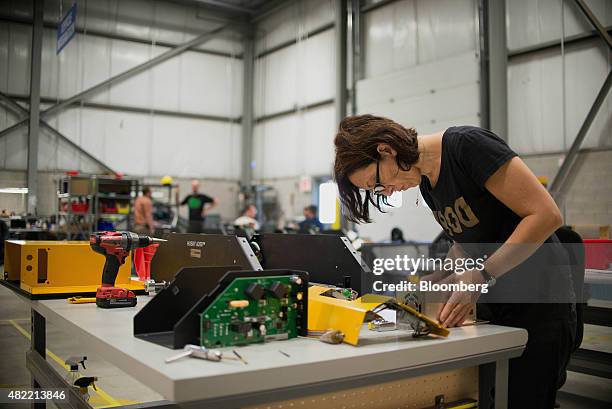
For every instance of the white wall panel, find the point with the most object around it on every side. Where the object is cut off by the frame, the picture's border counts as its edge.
(295, 145)
(535, 92)
(18, 8)
(14, 146)
(195, 148)
(297, 75)
(591, 66)
(135, 90)
(276, 81)
(166, 89)
(294, 21)
(4, 56)
(445, 28)
(49, 79)
(419, 80)
(127, 140)
(276, 148)
(316, 141)
(136, 18)
(316, 68)
(210, 84)
(456, 102)
(19, 43)
(531, 22)
(409, 32)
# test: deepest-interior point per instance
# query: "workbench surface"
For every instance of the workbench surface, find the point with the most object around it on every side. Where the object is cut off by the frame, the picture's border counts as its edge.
(108, 332)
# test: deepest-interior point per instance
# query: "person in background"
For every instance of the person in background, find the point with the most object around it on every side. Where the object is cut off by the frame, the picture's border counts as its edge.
(143, 213)
(199, 204)
(4, 213)
(248, 218)
(397, 236)
(311, 223)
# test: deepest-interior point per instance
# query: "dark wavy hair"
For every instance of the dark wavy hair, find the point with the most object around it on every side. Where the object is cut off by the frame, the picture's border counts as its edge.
(356, 145)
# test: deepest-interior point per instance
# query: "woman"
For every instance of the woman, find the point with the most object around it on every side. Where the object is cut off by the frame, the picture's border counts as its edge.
(479, 192)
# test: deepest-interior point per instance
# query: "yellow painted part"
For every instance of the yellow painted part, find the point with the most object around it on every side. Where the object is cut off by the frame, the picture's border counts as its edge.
(326, 313)
(336, 224)
(71, 267)
(109, 400)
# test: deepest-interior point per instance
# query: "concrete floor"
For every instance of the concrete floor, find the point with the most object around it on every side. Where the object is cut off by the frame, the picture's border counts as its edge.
(117, 388)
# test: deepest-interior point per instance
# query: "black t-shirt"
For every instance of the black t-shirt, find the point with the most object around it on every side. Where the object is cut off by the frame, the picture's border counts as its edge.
(195, 203)
(473, 216)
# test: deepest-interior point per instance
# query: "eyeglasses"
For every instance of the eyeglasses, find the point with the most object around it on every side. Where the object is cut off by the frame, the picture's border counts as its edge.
(378, 188)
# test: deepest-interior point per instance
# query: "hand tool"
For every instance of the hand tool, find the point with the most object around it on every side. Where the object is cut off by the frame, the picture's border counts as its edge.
(197, 351)
(116, 246)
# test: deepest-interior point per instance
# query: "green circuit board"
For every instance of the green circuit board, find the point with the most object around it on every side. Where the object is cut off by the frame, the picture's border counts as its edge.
(254, 309)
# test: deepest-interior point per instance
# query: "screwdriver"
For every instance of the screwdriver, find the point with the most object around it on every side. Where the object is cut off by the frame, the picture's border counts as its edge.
(197, 351)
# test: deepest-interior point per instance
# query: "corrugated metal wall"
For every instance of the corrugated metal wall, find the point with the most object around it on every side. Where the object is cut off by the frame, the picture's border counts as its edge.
(292, 77)
(138, 143)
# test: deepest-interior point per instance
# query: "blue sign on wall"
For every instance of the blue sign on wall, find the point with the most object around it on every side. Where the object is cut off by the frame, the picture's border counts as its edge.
(66, 29)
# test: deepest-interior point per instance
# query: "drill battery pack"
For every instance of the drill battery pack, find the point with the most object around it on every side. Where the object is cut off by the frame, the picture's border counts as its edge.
(113, 297)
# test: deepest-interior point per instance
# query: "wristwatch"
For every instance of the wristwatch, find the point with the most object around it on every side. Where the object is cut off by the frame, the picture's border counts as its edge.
(489, 279)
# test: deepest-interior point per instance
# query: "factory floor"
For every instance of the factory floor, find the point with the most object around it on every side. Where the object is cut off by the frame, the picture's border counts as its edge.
(116, 388)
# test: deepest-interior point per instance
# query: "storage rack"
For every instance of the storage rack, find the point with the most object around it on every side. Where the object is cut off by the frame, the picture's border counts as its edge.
(85, 200)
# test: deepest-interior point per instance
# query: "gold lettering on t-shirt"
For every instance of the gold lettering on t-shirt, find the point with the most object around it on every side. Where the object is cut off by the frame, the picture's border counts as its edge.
(452, 219)
(465, 213)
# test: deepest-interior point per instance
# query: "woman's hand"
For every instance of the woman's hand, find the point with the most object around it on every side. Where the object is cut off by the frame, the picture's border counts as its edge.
(453, 312)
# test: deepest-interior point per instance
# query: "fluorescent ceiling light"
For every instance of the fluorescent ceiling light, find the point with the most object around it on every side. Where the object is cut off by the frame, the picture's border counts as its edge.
(20, 190)
(328, 196)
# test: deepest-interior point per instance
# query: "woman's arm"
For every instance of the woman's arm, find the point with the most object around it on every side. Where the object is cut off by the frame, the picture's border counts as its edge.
(516, 186)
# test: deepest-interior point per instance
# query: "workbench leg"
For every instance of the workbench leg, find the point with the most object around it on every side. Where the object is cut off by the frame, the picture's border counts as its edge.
(39, 345)
(501, 384)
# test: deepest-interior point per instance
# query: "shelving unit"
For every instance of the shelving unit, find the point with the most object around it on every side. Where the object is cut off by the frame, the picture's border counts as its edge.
(86, 202)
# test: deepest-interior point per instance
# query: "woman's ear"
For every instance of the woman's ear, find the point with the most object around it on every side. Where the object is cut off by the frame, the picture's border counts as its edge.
(384, 149)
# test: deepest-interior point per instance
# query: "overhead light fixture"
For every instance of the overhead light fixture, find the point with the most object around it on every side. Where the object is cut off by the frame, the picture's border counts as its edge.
(328, 196)
(18, 190)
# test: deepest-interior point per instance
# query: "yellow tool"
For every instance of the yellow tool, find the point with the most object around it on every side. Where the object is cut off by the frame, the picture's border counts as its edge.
(81, 300)
(44, 268)
(347, 316)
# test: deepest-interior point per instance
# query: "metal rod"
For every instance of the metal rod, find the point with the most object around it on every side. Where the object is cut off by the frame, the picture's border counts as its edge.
(594, 21)
(140, 110)
(356, 51)
(294, 41)
(569, 40)
(308, 107)
(115, 36)
(341, 65)
(227, 6)
(247, 108)
(34, 120)
(374, 6)
(271, 8)
(134, 71)
(22, 111)
(558, 184)
(18, 109)
(483, 43)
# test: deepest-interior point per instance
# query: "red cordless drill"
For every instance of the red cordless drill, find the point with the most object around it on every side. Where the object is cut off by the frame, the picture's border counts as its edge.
(116, 246)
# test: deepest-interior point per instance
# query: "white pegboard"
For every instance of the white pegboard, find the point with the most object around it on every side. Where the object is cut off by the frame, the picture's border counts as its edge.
(410, 393)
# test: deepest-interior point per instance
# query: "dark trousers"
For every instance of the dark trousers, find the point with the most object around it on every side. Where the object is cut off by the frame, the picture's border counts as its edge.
(195, 226)
(535, 376)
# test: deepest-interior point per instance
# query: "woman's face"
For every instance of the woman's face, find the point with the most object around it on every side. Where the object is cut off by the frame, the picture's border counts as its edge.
(390, 176)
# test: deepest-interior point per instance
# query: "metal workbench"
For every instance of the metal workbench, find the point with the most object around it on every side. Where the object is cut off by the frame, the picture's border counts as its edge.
(311, 368)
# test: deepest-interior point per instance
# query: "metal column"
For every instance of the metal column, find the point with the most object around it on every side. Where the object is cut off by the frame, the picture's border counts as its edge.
(341, 49)
(496, 55)
(38, 339)
(34, 124)
(247, 107)
(557, 187)
(356, 52)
